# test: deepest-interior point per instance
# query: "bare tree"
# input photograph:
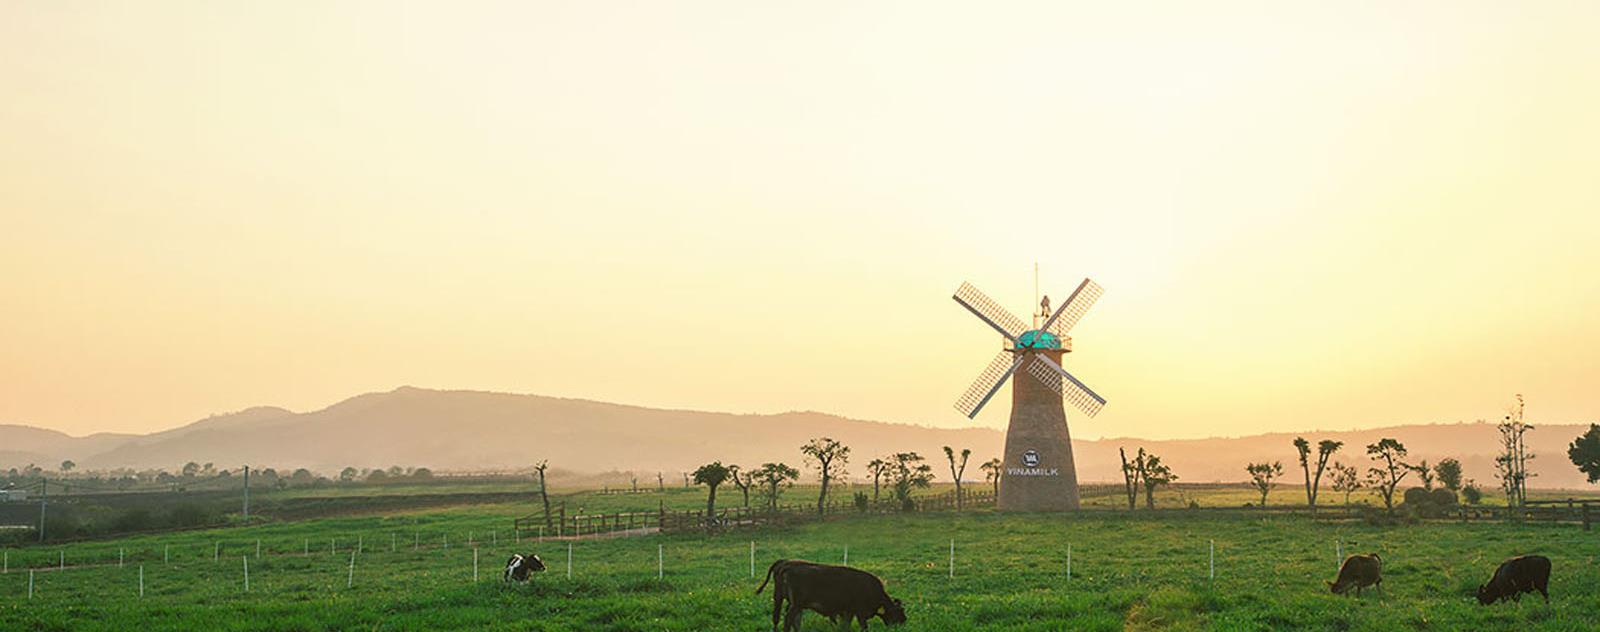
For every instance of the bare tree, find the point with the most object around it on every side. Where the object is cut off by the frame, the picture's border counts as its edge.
(1390, 470)
(1130, 475)
(544, 492)
(1511, 466)
(1346, 479)
(1261, 475)
(1325, 449)
(955, 471)
(991, 473)
(1424, 473)
(828, 457)
(879, 468)
(742, 480)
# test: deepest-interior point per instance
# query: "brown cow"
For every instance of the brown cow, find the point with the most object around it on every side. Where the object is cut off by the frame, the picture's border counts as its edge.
(1516, 576)
(1358, 571)
(840, 593)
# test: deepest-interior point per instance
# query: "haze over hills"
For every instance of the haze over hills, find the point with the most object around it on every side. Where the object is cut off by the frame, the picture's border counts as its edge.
(474, 430)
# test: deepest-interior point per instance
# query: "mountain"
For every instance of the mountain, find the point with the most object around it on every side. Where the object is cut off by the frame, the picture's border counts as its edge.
(475, 430)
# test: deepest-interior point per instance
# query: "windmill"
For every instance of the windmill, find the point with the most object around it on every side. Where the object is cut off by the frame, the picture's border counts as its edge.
(1039, 473)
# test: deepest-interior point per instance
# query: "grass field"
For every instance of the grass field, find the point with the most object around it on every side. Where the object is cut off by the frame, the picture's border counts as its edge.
(1010, 573)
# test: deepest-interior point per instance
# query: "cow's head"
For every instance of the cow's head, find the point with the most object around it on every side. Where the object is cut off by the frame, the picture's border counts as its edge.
(534, 563)
(894, 613)
(1485, 596)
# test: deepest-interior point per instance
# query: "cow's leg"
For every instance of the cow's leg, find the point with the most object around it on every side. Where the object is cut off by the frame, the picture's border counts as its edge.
(791, 622)
(777, 604)
(863, 619)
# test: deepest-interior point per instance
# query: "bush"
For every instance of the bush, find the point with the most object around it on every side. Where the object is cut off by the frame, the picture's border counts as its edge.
(1472, 494)
(861, 501)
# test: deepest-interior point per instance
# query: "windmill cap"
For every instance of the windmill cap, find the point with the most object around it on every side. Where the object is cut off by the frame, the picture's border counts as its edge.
(1035, 339)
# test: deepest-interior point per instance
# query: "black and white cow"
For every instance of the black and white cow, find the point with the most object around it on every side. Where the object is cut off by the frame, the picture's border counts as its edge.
(520, 566)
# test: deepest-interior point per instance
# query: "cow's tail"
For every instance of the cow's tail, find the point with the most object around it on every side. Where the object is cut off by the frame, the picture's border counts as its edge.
(770, 571)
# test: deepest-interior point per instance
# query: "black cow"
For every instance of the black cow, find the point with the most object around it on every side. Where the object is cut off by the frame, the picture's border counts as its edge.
(840, 593)
(520, 566)
(775, 576)
(1516, 576)
(1358, 571)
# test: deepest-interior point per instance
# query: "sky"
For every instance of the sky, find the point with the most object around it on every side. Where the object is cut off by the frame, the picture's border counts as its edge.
(1305, 215)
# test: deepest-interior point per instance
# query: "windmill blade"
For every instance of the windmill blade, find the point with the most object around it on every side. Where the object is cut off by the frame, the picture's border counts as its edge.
(1073, 309)
(989, 311)
(1068, 387)
(988, 383)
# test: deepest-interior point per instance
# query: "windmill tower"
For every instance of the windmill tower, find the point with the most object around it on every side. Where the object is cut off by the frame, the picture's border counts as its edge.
(1039, 474)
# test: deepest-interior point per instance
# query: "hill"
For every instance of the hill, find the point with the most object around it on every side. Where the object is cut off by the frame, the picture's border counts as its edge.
(475, 430)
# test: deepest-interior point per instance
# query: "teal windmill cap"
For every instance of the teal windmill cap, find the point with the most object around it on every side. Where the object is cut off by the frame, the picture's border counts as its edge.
(1035, 339)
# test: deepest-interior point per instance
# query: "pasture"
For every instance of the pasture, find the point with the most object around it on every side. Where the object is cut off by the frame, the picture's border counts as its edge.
(1010, 572)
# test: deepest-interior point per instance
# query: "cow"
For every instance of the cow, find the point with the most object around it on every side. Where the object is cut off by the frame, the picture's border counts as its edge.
(775, 576)
(520, 566)
(1358, 571)
(840, 593)
(1516, 576)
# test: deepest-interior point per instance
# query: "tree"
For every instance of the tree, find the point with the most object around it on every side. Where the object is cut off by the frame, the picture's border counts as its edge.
(1584, 452)
(67, 465)
(1130, 475)
(1511, 466)
(1425, 474)
(348, 474)
(1325, 450)
(878, 467)
(302, 477)
(956, 472)
(1390, 470)
(774, 478)
(1155, 474)
(991, 473)
(1261, 475)
(742, 480)
(422, 473)
(190, 469)
(828, 458)
(544, 491)
(377, 476)
(907, 471)
(711, 475)
(1449, 473)
(1346, 479)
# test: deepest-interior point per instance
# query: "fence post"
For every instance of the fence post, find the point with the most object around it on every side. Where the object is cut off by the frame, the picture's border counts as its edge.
(63, 565)
(119, 557)
(474, 564)
(30, 583)
(569, 560)
(1212, 547)
(350, 580)
(952, 558)
(216, 550)
(660, 566)
(846, 555)
(141, 580)
(1069, 561)
(752, 559)
(246, 559)
(258, 548)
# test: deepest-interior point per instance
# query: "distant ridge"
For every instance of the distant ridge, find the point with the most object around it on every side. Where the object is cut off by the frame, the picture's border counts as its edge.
(477, 430)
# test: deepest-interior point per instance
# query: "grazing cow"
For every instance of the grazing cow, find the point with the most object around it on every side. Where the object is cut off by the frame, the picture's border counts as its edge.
(840, 593)
(1358, 571)
(520, 566)
(1516, 576)
(775, 576)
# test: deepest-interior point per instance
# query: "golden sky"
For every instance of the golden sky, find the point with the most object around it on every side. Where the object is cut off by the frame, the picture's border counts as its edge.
(1305, 216)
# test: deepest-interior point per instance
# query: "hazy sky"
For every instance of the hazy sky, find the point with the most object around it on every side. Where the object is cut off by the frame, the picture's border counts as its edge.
(1304, 216)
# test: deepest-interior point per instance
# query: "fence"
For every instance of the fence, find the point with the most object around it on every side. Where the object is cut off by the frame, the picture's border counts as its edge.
(559, 524)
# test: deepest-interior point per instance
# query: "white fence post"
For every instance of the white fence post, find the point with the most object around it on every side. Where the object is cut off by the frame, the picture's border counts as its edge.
(258, 548)
(30, 583)
(846, 555)
(1069, 561)
(569, 560)
(8, 563)
(350, 580)
(660, 556)
(246, 559)
(494, 537)
(474, 563)
(1338, 552)
(1212, 547)
(359, 542)
(63, 565)
(952, 558)
(141, 580)
(752, 559)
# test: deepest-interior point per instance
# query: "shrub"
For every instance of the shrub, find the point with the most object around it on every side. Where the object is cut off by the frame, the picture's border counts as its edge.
(1472, 494)
(861, 501)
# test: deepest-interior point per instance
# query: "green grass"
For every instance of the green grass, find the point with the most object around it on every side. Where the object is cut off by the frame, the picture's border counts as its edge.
(1010, 574)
